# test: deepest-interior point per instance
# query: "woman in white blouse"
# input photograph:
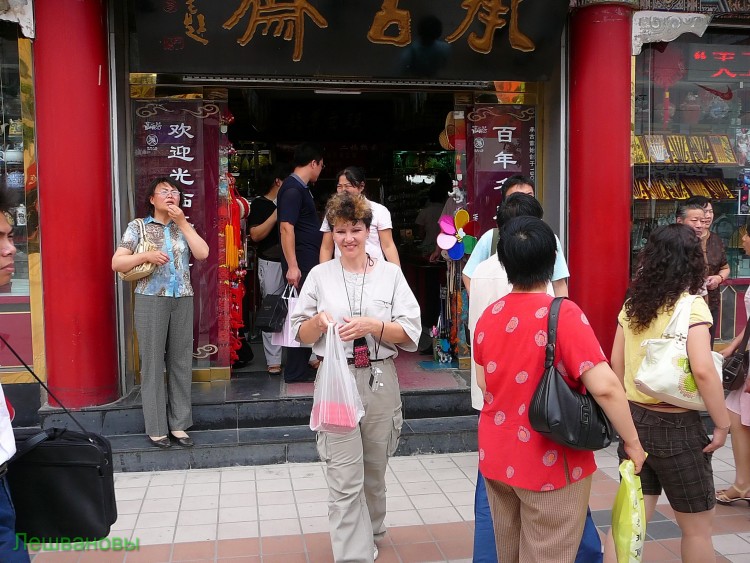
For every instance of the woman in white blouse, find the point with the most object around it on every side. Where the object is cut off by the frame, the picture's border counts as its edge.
(380, 243)
(376, 312)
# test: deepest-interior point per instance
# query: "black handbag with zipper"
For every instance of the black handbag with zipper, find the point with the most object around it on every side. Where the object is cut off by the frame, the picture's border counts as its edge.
(560, 413)
(61, 481)
(272, 313)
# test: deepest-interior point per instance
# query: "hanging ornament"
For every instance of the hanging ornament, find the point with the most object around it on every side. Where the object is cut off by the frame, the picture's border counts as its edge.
(669, 68)
(225, 120)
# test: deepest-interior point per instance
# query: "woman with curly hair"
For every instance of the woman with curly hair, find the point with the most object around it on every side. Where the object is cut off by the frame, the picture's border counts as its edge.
(670, 266)
(376, 312)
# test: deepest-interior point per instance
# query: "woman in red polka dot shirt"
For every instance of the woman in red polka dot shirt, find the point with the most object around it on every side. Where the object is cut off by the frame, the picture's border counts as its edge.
(538, 489)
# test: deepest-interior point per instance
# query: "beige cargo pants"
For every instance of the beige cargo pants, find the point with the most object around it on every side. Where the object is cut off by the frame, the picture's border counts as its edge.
(356, 464)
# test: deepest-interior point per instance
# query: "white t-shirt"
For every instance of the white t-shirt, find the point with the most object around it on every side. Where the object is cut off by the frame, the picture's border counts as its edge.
(489, 282)
(382, 292)
(483, 250)
(7, 440)
(381, 220)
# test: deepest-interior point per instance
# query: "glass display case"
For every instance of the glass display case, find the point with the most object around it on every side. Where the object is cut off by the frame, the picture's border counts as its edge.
(413, 173)
(12, 179)
(21, 299)
(244, 165)
(692, 137)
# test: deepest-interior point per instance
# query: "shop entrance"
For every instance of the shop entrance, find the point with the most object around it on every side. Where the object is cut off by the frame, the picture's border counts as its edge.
(394, 136)
(416, 147)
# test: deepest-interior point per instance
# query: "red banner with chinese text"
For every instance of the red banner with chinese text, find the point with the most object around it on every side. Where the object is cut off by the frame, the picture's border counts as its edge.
(501, 143)
(181, 140)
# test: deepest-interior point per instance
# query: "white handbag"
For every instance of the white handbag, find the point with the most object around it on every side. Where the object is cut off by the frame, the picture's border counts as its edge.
(665, 370)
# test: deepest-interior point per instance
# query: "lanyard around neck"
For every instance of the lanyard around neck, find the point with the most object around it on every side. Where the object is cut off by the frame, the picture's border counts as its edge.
(362, 292)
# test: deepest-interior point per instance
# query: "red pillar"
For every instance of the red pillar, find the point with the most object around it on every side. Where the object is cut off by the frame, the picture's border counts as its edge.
(599, 166)
(75, 198)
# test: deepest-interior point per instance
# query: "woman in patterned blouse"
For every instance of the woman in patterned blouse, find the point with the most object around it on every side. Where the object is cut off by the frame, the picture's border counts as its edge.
(164, 311)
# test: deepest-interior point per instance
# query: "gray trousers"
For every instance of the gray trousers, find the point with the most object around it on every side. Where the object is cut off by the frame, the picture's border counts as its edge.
(165, 324)
(272, 282)
(356, 464)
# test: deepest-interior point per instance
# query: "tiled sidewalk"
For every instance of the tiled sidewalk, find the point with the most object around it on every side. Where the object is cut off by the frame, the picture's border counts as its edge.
(278, 514)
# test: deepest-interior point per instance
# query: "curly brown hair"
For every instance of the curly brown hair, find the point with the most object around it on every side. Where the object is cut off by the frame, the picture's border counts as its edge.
(345, 207)
(671, 263)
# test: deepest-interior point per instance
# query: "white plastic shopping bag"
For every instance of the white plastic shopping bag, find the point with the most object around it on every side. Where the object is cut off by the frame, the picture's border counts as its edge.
(285, 337)
(337, 406)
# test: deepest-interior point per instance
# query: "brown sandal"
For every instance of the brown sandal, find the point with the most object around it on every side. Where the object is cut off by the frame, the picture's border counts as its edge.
(274, 370)
(722, 497)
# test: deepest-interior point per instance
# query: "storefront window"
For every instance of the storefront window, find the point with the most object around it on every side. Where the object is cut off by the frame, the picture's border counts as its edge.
(691, 138)
(20, 300)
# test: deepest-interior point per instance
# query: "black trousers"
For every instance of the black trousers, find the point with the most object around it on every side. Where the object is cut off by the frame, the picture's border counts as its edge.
(297, 359)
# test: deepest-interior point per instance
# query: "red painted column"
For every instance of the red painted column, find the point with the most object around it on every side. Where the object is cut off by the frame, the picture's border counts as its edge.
(599, 167)
(75, 198)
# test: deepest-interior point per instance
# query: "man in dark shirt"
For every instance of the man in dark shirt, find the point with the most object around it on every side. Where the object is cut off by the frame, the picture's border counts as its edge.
(264, 232)
(299, 228)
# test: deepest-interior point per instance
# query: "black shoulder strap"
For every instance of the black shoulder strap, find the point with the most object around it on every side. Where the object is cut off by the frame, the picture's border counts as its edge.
(44, 386)
(29, 444)
(554, 313)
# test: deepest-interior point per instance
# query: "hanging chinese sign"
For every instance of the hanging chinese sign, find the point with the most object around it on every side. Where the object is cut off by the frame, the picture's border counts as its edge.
(180, 140)
(501, 143)
(447, 40)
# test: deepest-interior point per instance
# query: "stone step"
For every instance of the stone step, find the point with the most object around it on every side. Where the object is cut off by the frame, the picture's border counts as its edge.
(125, 417)
(281, 444)
(257, 419)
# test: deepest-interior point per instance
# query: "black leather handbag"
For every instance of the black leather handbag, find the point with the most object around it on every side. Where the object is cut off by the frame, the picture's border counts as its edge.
(562, 414)
(272, 313)
(61, 481)
(734, 370)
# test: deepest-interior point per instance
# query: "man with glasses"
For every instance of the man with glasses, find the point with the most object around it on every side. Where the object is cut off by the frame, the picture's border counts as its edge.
(299, 228)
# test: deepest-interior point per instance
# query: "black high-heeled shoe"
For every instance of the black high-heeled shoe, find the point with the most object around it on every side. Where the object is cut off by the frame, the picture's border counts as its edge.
(161, 442)
(186, 441)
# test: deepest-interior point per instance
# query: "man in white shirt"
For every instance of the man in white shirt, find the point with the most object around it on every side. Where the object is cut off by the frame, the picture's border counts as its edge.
(11, 550)
(483, 250)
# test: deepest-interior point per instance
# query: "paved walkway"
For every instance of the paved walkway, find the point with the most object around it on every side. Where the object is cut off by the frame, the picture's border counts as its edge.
(278, 513)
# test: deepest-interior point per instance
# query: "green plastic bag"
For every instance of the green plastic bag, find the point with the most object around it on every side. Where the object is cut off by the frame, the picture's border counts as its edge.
(629, 516)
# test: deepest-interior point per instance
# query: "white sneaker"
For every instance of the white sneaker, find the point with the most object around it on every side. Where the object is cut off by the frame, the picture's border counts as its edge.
(375, 552)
